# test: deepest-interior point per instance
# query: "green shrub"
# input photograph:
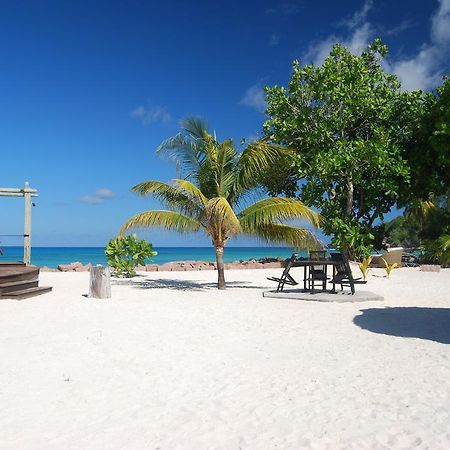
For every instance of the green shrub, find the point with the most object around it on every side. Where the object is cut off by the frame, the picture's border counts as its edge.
(125, 253)
(439, 249)
(349, 238)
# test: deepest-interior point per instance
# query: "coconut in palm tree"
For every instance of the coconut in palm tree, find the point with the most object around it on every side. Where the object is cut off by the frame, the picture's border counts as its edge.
(212, 193)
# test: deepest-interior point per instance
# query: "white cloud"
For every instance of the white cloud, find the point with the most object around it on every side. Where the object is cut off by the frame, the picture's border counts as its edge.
(356, 43)
(255, 97)
(360, 34)
(274, 40)
(423, 70)
(151, 114)
(400, 28)
(360, 16)
(99, 197)
(440, 24)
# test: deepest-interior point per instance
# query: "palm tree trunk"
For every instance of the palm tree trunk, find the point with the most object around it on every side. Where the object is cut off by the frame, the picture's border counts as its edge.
(220, 268)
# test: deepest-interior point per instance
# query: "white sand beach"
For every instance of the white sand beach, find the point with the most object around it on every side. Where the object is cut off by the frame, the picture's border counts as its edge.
(172, 363)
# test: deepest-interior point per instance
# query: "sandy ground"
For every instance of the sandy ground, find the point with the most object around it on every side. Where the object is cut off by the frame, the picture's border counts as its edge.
(171, 363)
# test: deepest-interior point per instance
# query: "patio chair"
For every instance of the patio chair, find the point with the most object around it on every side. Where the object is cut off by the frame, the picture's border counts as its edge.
(343, 273)
(285, 278)
(317, 273)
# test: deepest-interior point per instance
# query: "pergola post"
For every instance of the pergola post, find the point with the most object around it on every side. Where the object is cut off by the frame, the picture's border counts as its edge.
(27, 193)
(27, 228)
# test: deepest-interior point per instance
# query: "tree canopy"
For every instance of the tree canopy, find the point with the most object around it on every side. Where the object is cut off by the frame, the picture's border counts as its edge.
(428, 152)
(347, 122)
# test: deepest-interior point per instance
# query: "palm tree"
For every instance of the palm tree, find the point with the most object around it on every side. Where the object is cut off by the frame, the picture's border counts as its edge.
(215, 182)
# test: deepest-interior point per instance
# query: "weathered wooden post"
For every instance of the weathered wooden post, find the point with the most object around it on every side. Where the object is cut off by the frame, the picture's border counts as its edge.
(27, 228)
(99, 282)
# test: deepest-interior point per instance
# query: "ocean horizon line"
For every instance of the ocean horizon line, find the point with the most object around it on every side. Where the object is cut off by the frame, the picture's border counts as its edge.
(158, 246)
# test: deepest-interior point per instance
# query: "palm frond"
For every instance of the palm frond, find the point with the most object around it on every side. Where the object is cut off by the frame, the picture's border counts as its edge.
(168, 220)
(296, 237)
(276, 209)
(225, 165)
(256, 160)
(196, 127)
(422, 209)
(222, 220)
(172, 196)
(185, 152)
(192, 191)
(440, 249)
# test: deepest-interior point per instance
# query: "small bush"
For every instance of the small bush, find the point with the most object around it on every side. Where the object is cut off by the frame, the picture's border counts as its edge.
(125, 253)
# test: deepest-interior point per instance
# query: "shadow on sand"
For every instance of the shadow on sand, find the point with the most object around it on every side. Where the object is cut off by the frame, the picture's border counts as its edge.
(432, 324)
(182, 285)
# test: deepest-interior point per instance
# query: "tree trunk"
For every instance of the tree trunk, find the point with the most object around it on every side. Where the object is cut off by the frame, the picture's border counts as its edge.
(99, 282)
(220, 268)
(349, 206)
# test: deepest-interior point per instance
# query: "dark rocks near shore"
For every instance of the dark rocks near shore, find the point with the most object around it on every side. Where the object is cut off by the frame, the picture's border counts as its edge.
(184, 266)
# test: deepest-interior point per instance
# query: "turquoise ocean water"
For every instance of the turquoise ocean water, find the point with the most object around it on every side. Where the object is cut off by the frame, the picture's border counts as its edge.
(52, 256)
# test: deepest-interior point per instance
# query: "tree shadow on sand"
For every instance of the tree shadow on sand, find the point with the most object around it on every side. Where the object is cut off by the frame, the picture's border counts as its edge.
(183, 285)
(432, 324)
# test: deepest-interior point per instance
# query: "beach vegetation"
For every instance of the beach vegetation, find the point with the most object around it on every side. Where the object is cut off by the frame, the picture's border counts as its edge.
(428, 151)
(347, 122)
(125, 253)
(389, 267)
(427, 199)
(216, 193)
(439, 250)
(364, 266)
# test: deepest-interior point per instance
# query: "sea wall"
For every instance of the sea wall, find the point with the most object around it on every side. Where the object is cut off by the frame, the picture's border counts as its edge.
(181, 266)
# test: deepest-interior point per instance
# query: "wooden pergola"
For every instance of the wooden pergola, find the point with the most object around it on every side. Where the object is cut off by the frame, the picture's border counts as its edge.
(26, 192)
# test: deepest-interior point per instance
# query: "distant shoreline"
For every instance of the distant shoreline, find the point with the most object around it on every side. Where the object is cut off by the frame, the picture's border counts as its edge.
(53, 256)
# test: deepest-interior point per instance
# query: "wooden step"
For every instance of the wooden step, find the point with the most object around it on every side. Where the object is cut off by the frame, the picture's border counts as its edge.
(11, 263)
(10, 274)
(26, 293)
(18, 285)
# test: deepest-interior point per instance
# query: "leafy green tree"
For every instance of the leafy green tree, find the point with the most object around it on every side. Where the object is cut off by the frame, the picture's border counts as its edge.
(213, 193)
(348, 123)
(427, 199)
(428, 151)
(124, 254)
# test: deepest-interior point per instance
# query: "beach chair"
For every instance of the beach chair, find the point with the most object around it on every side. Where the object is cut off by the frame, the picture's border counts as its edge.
(317, 273)
(343, 273)
(285, 278)
(391, 256)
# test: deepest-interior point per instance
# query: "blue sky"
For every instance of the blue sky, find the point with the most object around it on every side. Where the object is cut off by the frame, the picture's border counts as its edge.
(89, 89)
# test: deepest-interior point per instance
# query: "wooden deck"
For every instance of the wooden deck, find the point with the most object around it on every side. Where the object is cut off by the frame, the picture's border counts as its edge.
(18, 281)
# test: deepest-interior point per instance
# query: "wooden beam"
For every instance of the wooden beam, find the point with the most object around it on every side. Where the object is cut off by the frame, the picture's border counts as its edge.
(14, 194)
(18, 190)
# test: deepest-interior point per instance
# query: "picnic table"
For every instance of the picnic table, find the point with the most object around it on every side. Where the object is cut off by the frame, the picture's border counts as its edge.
(308, 266)
(342, 273)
